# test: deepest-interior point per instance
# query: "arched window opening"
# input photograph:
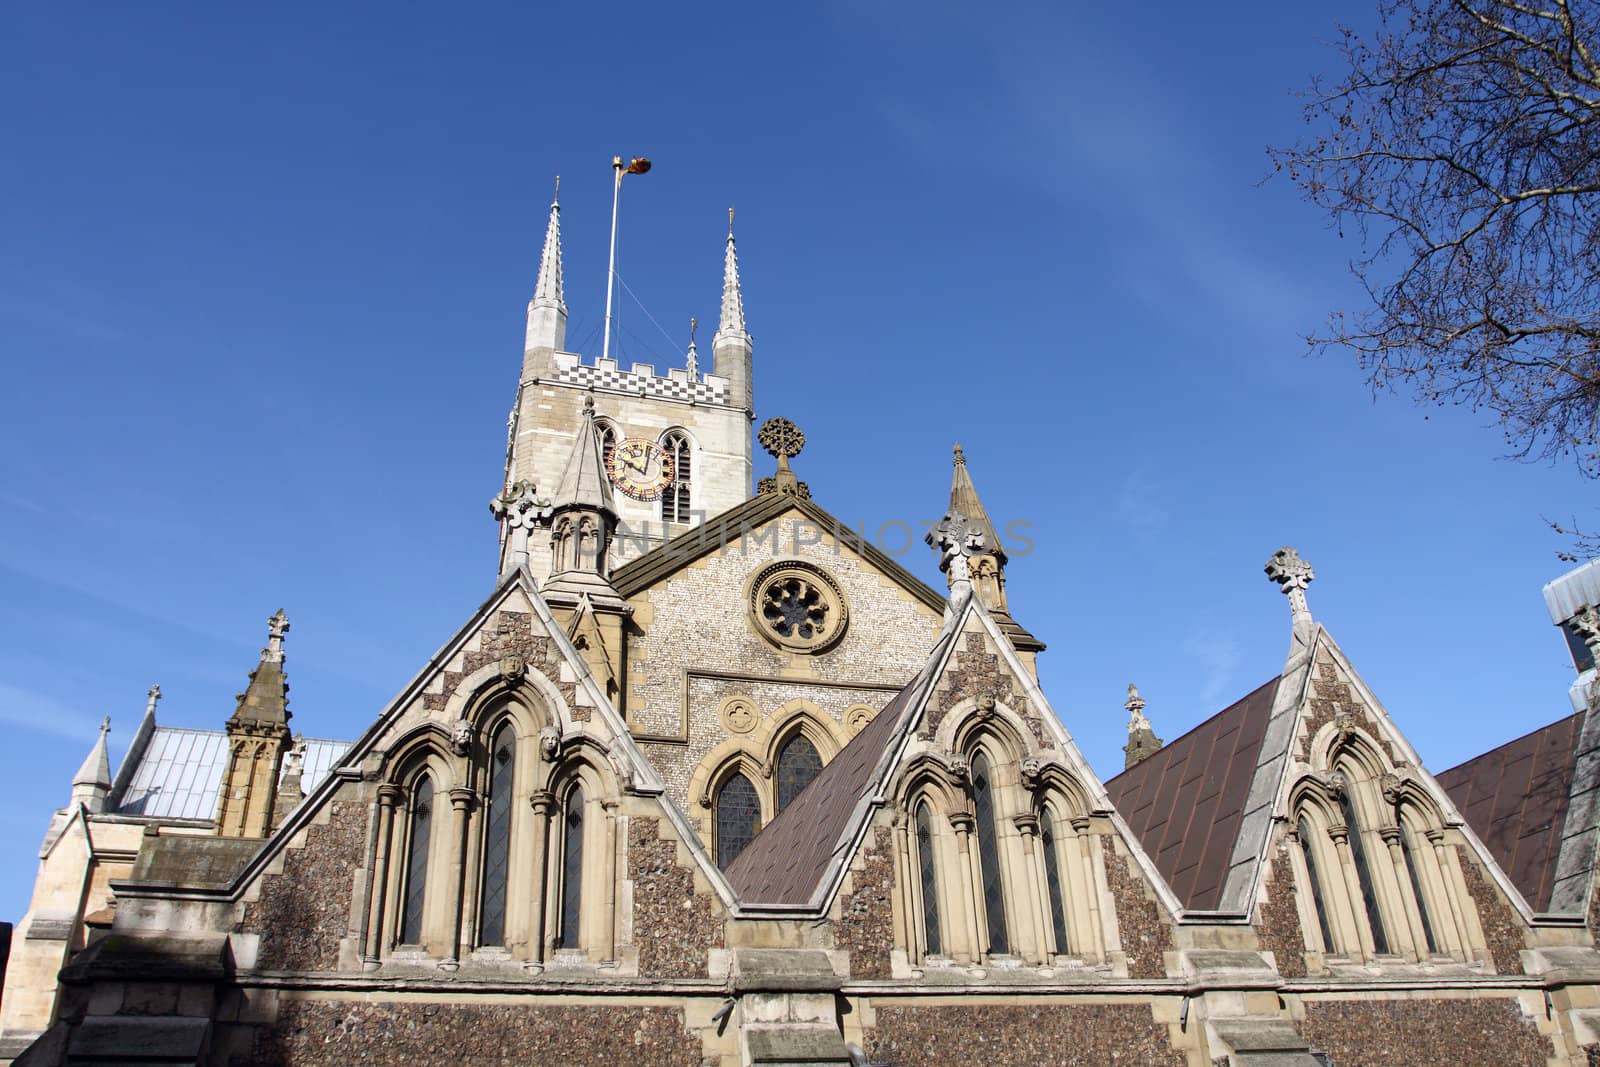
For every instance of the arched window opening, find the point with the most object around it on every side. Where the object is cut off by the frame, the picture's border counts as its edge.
(608, 442)
(798, 764)
(738, 818)
(416, 870)
(1416, 888)
(497, 838)
(994, 903)
(571, 871)
(1358, 854)
(928, 880)
(1303, 832)
(675, 498)
(1052, 878)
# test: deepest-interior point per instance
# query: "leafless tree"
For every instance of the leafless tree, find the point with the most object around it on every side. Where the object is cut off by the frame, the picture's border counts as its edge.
(1462, 145)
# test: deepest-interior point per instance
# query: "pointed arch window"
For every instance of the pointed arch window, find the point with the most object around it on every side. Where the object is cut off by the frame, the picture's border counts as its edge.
(1408, 854)
(569, 928)
(994, 903)
(1358, 855)
(416, 872)
(675, 498)
(1052, 878)
(798, 764)
(738, 818)
(608, 442)
(497, 838)
(927, 879)
(1308, 852)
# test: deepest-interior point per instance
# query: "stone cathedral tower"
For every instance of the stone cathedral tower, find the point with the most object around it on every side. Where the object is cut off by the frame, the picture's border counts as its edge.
(699, 421)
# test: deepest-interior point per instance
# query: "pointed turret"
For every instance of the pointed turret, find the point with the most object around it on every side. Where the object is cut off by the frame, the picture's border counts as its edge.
(258, 736)
(731, 347)
(584, 483)
(547, 311)
(987, 563)
(583, 517)
(92, 784)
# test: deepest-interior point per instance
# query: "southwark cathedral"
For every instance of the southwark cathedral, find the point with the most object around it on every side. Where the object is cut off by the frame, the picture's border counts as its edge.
(711, 781)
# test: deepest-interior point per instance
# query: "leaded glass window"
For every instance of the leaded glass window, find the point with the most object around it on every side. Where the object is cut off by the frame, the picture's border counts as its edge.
(608, 442)
(1303, 832)
(1416, 888)
(416, 887)
(1358, 853)
(994, 901)
(571, 870)
(675, 498)
(497, 838)
(929, 881)
(738, 818)
(1052, 878)
(798, 764)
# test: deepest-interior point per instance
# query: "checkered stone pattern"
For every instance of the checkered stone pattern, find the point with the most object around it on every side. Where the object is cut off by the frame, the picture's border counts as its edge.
(613, 377)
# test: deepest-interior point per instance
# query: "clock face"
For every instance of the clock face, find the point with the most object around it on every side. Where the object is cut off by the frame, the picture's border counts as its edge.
(640, 468)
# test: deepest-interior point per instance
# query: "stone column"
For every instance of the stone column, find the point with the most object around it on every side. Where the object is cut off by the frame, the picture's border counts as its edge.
(1352, 888)
(1034, 892)
(462, 801)
(1401, 881)
(900, 907)
(389, 795)
(962, 822)
(542, 801)
(1095, 948)
(608, 942)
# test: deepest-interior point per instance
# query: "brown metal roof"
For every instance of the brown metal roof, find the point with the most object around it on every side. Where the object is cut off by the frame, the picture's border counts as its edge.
(1185, 801)
(1515, 797)
(786, 861)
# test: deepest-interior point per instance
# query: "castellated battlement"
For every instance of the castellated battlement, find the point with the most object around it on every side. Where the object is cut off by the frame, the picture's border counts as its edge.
(641, 380)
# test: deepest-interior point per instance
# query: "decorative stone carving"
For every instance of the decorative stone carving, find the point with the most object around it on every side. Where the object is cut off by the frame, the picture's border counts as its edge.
(959, 768)
(1292, 574)
(512, 667)
(739, 715)
(1032, 772)
(957, 540)
(857, 717)
(798, 606)
(550, 743)
(1585, 622)
(461, 737)
(1392, 785)
(985, 709)
(521, 509)
(1337, 785)
(782, 440)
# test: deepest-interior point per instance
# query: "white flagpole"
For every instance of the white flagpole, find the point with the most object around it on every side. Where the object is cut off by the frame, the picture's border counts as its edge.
(611, 270)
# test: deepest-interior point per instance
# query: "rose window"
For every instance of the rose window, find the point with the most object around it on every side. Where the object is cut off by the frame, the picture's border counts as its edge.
(797, 606)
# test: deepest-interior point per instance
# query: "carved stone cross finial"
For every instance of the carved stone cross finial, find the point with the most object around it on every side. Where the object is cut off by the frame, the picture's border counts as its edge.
(151, 697)
(1292, 574)
(1585, 622)
(277, 626)
(522, 509)
(105, 725)
(1135, 707)
(783, 440)
(957, 541)
(960, 457)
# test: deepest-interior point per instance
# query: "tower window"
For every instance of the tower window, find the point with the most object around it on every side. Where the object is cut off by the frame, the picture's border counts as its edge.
(675, 498)
(608, 442)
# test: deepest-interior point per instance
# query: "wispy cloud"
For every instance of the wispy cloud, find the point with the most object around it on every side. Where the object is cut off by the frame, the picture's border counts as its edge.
(28, 710)
(1217, 654)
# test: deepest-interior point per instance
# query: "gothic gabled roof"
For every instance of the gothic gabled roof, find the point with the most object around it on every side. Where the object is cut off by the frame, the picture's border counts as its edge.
(1186, 800)
(725, 529)
(1517, 798)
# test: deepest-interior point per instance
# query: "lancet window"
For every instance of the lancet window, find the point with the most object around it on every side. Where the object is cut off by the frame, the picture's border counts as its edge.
(993, 880)
(419, 829)
(1052, 879)
(498, 810)
(569, 921)
(928, 882)
(675, 498)
(738, 817)
(798, 763)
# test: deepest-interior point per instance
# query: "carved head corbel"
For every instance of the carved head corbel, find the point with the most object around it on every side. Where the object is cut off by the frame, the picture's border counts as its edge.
(985, 707)
(550, 742)
(512, 667)
(958, 768)
(1032, 772)
(461, 737)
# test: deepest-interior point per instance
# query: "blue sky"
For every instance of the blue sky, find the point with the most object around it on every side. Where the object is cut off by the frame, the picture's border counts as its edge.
(261, 292)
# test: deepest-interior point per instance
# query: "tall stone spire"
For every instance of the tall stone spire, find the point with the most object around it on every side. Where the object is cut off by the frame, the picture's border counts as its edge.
(92, 784)
(547, 311)
(732, 346)
(258, 737)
